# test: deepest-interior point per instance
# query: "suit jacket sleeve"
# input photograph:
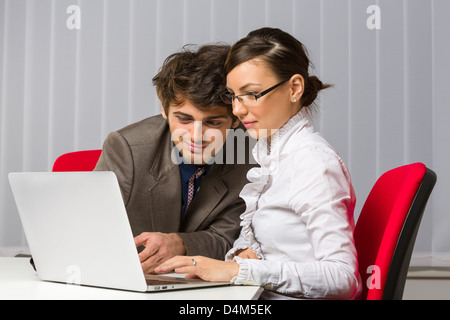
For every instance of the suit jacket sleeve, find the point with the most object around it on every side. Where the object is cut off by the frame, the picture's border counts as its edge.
(117, 157)
(219, 236)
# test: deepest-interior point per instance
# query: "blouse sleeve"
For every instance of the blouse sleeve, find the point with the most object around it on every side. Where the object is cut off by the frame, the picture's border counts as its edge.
(324, 203)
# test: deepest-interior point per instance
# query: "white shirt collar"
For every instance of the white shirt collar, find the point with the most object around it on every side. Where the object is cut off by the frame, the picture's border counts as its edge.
(266, 153)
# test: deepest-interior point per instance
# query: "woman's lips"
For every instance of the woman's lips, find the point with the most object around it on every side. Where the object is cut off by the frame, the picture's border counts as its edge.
(249, 124)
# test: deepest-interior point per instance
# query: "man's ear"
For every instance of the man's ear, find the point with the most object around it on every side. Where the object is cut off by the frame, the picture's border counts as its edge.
(163, 113)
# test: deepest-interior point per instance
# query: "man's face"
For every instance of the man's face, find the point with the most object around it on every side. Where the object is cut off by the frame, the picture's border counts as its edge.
(199, 135)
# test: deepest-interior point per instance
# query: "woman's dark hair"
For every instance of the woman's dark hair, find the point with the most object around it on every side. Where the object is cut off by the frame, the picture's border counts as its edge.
(282, 53)
(194, 73)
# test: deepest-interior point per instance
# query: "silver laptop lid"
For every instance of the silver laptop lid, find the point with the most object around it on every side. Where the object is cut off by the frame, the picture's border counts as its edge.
(77, 228)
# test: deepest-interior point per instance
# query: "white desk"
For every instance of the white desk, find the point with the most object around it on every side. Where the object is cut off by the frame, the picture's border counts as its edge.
(18, 280)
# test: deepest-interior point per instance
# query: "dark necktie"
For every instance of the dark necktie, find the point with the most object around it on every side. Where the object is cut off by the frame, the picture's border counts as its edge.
(191, 180)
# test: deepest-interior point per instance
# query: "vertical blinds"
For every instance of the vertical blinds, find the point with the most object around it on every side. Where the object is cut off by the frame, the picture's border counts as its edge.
(64, 89)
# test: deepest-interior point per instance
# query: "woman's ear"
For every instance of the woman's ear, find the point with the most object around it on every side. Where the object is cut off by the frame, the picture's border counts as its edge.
(297, 87)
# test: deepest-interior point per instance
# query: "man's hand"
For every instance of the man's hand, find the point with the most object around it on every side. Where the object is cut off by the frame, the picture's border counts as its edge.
(246, 254)
(159, 247)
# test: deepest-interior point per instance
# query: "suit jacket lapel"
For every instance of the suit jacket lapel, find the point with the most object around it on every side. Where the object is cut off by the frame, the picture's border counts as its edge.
(164, 190)
(211, 191)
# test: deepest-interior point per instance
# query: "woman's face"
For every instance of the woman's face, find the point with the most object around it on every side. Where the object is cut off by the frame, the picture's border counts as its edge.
(272, 110)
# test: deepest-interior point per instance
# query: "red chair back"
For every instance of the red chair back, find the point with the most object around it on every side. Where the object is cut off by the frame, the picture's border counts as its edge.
(386, 229)
(77, 161)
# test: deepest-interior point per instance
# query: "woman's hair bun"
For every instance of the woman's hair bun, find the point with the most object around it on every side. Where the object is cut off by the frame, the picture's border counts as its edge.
(312, 87)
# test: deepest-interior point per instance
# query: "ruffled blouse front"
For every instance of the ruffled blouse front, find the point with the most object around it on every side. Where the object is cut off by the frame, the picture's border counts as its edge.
(298, 218)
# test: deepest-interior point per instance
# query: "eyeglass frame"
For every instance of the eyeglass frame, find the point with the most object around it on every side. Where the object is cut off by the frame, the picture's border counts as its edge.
(257, 96)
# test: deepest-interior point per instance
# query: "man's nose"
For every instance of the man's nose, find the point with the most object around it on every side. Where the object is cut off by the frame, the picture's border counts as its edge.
(197, 131)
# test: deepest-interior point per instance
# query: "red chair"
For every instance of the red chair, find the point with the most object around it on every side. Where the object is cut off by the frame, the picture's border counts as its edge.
(77, 161)
(387, 227)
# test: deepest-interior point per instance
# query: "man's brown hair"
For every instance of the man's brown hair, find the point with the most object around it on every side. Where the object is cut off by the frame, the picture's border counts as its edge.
(194, 73)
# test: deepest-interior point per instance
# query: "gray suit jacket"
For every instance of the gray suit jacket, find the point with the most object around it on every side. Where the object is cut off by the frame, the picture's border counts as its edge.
(140, 156)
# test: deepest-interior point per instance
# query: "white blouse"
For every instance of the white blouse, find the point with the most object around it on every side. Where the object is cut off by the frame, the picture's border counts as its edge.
(299, 218)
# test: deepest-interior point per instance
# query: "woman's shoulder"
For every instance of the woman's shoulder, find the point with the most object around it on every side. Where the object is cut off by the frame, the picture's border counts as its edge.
(311, 159)
(310, 146)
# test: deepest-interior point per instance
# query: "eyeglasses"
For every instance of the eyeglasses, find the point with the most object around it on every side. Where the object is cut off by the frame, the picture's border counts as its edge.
(248, 99)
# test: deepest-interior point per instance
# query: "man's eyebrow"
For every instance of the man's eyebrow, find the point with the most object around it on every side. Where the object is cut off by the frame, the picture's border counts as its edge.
(216, 117)
(205, 119)
(183, 114)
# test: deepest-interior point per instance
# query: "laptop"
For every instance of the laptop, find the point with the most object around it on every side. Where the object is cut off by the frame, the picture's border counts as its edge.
(78, 232)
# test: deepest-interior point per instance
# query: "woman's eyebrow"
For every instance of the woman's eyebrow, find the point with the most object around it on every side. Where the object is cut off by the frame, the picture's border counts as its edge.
(245, 86)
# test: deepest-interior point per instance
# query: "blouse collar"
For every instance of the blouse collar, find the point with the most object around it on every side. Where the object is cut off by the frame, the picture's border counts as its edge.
(265, 152)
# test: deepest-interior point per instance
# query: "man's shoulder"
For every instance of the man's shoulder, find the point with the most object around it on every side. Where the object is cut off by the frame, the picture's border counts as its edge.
(146, 131)
(235, 171)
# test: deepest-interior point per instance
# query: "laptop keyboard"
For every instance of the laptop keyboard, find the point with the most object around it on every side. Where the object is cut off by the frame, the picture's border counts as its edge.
(154, 282)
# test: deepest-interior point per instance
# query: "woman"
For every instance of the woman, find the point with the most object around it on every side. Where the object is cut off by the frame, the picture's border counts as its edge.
(297, 230)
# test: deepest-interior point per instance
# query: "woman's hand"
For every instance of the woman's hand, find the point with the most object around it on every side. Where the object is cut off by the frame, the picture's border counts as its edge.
(201, 267)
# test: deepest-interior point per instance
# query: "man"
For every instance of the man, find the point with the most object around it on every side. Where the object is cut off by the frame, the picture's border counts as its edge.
(181, 198)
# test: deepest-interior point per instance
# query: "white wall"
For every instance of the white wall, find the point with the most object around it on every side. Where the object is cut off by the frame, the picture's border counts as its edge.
(63, 90)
